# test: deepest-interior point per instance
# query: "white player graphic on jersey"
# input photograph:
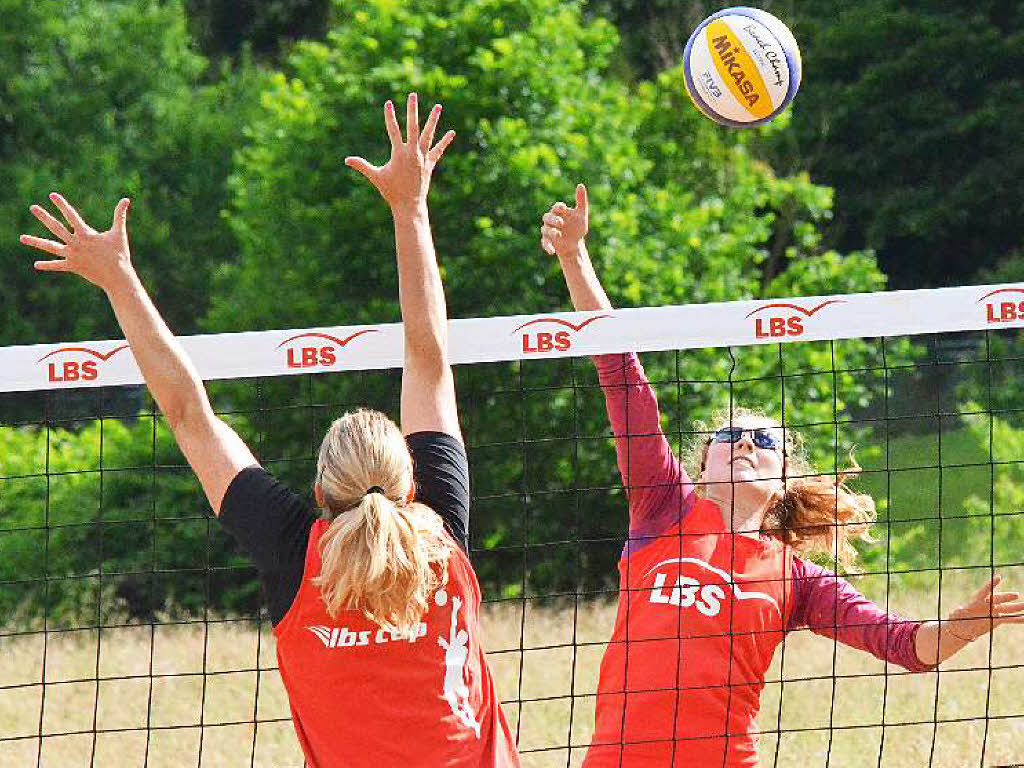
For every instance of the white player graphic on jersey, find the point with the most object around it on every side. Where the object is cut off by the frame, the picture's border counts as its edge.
(456, 653)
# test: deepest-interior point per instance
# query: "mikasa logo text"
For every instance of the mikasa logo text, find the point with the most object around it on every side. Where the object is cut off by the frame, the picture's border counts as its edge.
(343, 637)
(727, 54)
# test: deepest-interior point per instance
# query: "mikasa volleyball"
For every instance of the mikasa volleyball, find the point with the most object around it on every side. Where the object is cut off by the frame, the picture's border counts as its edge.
(742, 67)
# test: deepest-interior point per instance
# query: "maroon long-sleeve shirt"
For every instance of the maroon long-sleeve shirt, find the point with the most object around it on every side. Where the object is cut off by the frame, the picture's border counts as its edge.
(661, 494)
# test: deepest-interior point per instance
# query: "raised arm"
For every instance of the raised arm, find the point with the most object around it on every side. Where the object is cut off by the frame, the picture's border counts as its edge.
(428, 388)
(214, 450)
(659, 489)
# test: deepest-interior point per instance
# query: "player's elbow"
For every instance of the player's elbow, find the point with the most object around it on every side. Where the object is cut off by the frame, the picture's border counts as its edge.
(428, 354)
(175, 412)
(183, 413)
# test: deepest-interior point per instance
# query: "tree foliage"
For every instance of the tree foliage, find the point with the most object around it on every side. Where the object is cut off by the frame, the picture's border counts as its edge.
(915, 117)
(106, 523)
(912, 111)
(226, 28)
(102, 101)
(681, 212)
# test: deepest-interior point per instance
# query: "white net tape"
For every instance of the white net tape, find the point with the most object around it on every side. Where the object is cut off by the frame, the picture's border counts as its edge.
(520, 337)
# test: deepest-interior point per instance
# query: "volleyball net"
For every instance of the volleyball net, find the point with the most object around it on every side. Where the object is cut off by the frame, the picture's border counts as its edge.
(132, 631)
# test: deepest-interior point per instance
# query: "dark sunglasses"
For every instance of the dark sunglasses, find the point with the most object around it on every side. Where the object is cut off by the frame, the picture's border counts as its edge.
(762, 437)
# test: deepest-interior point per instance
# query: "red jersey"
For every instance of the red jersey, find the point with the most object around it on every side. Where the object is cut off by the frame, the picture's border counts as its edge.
(362, 696)
(701, 611)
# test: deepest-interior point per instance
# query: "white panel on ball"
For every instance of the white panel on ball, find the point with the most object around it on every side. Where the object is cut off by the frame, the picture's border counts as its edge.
(713, 90)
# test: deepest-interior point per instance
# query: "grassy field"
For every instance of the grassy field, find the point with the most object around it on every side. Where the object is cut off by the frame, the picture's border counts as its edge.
(157, 702)
(817, 692)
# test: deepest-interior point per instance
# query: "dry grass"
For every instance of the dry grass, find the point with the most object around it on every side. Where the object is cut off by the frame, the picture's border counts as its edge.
(564, 646)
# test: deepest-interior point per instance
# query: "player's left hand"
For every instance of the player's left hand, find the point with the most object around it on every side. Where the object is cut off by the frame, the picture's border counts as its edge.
(986, 610)
(405, 179)
(563, 229)
(100, 257)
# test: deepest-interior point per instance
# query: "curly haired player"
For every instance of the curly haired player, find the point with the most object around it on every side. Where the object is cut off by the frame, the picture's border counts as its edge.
(711, 576)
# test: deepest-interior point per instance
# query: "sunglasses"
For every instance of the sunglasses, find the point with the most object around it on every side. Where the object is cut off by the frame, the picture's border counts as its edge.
(762, 437)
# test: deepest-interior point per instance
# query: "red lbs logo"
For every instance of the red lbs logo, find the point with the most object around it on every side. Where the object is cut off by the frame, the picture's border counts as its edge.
(785, 320)
(316, 349)
(76, 363)
(549, 339)
(1007, 308)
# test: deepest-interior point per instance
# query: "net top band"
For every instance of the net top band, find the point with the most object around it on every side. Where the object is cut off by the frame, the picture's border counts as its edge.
(524, 337)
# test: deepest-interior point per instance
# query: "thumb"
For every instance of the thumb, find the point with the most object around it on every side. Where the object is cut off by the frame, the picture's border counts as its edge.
(582, 205)
(983, 594)
(121, 214)
(361, 165)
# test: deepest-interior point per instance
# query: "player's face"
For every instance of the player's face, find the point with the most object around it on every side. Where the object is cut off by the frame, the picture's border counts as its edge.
(748, 453)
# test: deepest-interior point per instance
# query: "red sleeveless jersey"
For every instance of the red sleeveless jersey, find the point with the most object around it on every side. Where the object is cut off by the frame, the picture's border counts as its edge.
(701, 611)
(361, 696)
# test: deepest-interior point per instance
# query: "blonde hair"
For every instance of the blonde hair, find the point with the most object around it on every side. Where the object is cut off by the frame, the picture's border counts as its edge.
(817, 513)
(383, 554)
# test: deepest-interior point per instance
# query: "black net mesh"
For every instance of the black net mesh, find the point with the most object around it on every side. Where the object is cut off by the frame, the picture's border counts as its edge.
(133, 630)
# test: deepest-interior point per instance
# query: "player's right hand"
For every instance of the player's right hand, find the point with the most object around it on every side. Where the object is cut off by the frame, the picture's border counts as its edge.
(563, 229)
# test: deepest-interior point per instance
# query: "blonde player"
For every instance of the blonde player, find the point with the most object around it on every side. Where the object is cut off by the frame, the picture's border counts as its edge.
(360, 593)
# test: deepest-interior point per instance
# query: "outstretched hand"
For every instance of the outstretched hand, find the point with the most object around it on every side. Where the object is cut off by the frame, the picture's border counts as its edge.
(986, 610)
(405, 179)
(99, 257)
(564, 229)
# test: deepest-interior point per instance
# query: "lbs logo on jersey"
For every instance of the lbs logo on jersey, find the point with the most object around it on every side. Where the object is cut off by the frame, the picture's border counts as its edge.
(707, 594)
(687, 592)
(343, 637)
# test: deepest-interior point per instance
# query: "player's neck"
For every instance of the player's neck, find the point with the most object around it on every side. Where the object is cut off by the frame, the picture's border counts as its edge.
(742, 513)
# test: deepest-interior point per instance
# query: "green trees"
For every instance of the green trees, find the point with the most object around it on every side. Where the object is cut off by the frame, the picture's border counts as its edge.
(227, 27)
(100, 100)
(104, 100)
(910, 110)
(682, 212)
(916, 117)
(107, 520)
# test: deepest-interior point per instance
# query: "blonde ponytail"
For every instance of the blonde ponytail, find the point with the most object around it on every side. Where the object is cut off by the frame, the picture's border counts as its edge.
(382, 554)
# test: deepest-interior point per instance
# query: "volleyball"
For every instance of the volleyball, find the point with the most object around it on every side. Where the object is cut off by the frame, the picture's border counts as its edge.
(742, 67)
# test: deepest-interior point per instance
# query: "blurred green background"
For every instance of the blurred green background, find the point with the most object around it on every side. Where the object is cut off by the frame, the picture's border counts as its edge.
(226, 122)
